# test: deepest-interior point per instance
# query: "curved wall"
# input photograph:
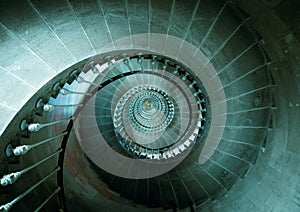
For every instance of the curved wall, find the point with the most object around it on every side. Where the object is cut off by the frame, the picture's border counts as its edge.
(40, 39)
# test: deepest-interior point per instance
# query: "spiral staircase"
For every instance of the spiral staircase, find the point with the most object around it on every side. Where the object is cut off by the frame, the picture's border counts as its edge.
(149, 106)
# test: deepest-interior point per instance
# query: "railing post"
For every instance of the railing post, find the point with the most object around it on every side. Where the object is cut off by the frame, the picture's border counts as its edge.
(12, 177)
(65, 92)
(9, 205)
(34, 127)
(47, 200)
(49, 107)
(22, 150)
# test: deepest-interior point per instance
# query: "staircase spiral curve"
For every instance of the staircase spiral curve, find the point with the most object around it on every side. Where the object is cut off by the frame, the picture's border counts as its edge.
(153, 105)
